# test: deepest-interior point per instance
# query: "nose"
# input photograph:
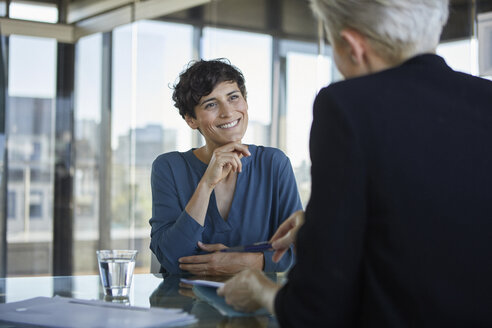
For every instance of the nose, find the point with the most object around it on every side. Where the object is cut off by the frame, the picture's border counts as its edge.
(226, 110)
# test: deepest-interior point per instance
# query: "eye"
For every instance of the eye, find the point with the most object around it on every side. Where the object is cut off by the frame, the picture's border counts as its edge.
(234, 97)
(210, 105)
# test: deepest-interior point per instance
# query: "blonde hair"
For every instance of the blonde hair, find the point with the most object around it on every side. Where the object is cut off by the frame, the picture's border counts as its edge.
(396, 29)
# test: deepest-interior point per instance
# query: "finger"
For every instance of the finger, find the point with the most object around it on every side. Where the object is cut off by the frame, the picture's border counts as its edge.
(187, 292)
(185, 285)
(278, 255)
(230, 166)
(197, 269)
(211, 247)
(235, 147)
(242, 149)
(283, 242)
(238, 166)
(195, 259)
(283, 229)
(228, 162)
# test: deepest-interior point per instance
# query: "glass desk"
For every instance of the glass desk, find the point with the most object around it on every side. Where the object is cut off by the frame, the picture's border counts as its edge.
(148, 290)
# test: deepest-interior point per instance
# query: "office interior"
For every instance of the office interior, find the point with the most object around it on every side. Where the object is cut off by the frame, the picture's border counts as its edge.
(86, 107)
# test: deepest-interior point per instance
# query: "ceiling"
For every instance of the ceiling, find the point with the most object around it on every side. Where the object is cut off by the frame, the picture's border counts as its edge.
(281, 18)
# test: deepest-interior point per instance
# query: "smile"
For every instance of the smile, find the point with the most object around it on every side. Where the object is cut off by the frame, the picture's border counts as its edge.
(228, 125)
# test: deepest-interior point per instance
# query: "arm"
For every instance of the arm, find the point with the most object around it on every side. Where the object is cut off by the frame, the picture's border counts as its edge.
(174, 238)
(323, 287)
(224, 160)
(174, 232)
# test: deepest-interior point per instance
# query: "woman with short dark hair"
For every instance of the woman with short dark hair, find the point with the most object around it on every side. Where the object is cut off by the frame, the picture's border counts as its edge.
(224, 193)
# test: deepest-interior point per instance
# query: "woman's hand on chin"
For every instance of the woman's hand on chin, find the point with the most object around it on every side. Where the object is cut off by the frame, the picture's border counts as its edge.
(224, 160)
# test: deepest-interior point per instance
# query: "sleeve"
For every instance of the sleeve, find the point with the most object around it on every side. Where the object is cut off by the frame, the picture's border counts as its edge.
(174, 233)
(288, 203)
(323, 288)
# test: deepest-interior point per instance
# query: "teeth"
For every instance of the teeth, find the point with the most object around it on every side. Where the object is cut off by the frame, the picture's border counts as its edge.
(229, 125)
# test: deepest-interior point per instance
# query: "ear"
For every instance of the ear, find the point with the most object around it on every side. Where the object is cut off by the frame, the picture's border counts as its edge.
(192, 123)
(357, 44)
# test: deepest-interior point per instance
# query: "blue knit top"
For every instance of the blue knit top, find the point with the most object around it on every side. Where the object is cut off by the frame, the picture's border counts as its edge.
(266, 194)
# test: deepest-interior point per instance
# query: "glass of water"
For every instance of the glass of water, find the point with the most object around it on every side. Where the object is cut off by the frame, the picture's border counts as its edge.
(116, 271)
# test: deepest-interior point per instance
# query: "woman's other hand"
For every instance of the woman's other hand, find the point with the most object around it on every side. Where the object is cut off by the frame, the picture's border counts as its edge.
(249, 290)
(220, 263)
(286, 234)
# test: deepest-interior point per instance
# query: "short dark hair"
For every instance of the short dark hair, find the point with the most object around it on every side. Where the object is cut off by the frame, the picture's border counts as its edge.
(199, 79)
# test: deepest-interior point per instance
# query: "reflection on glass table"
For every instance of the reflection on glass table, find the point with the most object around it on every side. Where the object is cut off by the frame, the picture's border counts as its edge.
(148, 290)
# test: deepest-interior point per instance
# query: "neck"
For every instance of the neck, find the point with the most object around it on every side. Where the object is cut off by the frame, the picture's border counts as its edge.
(204, 153)
(376, 63)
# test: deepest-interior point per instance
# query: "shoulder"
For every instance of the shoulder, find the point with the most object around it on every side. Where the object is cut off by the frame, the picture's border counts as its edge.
(268, 154)
(170, 161)
(268, 159)
(168, 158)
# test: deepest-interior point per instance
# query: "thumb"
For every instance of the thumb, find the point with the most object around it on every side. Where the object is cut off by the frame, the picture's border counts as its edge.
(211, 247)
(283, 242)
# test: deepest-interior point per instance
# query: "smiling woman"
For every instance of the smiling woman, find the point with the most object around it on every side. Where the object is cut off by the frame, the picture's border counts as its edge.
(223, 194)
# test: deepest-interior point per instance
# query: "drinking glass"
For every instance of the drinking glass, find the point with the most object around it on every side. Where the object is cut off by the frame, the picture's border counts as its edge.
(116, 271)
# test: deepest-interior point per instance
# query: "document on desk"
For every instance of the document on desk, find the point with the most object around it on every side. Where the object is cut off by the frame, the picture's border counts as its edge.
(76, 313)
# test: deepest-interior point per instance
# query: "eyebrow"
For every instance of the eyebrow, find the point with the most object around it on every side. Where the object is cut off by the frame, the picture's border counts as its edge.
(213, 98)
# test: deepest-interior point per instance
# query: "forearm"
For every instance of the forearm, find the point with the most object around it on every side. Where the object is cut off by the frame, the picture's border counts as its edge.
(171, 242)
(198, 203)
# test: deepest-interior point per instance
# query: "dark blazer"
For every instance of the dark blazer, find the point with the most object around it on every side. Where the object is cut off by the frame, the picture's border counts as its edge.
(398, 229)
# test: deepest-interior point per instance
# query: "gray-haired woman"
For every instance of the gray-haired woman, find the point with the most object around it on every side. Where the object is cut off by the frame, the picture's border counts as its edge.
(397, 231)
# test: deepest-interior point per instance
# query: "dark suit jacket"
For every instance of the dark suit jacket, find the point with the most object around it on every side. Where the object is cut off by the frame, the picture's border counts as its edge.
(398, 229)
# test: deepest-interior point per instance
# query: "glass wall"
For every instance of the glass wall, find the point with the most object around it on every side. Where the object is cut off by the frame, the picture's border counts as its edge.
(301, 61)
(30, 124)
(147, 58)
(88, 87)
(256, 66)
(461, 55)
(131, 70)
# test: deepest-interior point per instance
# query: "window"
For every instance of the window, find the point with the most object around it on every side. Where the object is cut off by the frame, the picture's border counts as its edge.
(31, 150)
(148, 57)
(256, 67)
(11, 205)
(34, 11)
(460, 55)
(3, 7)
(87, 117)
(305, 73)
(36, 151)
(36, 205)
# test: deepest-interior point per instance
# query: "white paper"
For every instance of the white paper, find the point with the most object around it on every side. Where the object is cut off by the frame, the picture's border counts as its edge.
(208, 283)
(76, 313)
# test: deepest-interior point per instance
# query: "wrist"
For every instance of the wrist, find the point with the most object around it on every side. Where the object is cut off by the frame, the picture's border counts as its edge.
(205, 187)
